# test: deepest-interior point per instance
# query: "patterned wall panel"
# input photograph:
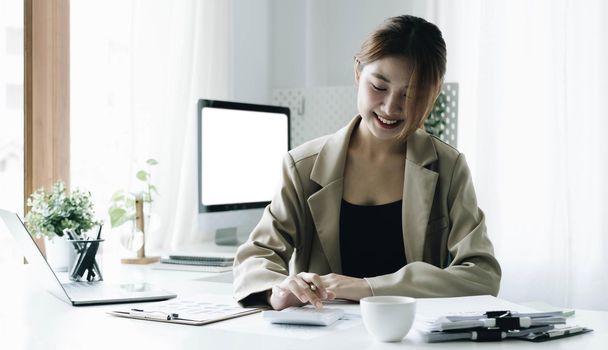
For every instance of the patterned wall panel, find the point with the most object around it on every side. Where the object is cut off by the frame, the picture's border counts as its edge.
(450, 134)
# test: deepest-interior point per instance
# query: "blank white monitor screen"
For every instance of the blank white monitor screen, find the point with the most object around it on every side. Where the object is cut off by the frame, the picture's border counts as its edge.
(241, 147)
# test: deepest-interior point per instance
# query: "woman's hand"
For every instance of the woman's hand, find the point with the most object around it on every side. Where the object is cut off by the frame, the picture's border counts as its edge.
(298, 290)
(311, 288)
(345, 287)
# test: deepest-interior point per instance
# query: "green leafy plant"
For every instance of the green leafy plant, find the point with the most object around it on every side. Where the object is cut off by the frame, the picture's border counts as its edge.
(122, 204)
(54, 212)
(436, 122)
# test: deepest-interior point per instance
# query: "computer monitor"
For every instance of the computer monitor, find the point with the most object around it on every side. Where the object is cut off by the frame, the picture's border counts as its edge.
(240, 149)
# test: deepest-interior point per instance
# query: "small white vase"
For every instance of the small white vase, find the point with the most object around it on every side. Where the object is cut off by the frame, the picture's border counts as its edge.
(59, 253)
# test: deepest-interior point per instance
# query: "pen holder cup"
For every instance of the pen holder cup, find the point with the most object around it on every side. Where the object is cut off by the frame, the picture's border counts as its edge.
(86, 268)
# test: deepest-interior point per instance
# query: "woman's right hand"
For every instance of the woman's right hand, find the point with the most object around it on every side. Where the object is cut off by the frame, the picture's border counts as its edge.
(298, 290)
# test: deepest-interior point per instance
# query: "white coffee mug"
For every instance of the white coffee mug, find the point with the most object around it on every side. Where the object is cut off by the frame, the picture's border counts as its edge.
(388, 318)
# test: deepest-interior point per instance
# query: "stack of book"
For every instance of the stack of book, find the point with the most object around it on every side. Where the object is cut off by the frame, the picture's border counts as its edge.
(209, 263)
(499, 325)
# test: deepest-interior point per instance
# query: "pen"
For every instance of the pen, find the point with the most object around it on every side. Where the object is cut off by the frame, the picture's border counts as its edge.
(99, 232)
(153, 315)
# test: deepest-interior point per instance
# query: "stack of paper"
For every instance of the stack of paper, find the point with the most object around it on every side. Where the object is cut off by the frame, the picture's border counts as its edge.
(486, 318)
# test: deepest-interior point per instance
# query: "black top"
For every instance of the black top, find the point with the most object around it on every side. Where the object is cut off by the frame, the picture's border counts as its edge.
(371, 239)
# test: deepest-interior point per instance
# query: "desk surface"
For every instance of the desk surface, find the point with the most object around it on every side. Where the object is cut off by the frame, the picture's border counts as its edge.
(30, 318)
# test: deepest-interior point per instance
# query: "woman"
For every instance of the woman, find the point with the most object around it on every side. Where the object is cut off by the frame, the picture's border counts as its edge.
(380, 207)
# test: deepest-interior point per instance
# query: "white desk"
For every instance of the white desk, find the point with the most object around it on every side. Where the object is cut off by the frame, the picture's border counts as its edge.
(30, 318)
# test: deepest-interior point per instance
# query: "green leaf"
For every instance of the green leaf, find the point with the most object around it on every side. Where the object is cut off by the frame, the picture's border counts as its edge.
(152, 161)
(117, 216)
(142, 175)
(55, 210)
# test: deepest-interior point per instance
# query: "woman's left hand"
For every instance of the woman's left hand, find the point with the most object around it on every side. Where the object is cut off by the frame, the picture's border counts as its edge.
(345, 287)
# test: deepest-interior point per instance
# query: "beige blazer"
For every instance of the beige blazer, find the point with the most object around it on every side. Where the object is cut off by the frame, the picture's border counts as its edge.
(447, 248)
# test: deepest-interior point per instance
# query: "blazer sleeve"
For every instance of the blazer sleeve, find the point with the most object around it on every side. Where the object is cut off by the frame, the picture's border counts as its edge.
(263, 260)
(473, 270)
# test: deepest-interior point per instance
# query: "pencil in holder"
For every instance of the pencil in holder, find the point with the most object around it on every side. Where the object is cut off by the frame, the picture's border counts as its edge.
(86, 268)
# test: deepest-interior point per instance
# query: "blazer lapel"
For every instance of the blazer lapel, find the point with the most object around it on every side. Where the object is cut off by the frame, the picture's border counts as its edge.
(325, 210)
(418, 193)
(324, 204)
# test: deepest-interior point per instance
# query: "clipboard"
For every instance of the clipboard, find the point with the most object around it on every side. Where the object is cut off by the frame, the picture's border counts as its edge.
(189, 312)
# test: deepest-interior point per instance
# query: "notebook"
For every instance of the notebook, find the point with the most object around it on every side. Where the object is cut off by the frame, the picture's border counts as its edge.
(77, 293)
(199, 262)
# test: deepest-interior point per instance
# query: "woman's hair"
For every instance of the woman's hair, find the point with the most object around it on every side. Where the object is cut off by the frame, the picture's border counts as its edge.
(422, 44)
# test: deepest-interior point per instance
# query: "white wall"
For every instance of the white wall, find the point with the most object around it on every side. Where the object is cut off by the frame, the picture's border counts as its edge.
(314, 41)
(251, 72)
(302, 43)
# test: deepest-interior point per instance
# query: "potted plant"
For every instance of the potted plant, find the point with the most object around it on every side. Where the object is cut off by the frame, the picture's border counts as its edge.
(56, 214)
(122, 204)
(134, 207)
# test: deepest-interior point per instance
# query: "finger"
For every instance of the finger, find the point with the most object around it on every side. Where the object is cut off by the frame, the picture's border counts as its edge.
(282, 298)
(308, 294)
(315, 282)
(298, 288)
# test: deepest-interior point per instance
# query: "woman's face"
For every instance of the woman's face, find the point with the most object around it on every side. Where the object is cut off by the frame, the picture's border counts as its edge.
(381, 96)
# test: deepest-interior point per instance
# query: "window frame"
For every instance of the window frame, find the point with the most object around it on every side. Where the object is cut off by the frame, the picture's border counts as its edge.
(46, 95)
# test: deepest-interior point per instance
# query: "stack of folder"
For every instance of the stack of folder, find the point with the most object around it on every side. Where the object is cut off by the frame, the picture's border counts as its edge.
(499, 325)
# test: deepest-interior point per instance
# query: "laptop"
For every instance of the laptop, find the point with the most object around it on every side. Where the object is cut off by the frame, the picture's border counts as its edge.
(77, 293)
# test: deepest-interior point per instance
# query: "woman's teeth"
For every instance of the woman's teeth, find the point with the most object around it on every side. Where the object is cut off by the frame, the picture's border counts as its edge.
(387, 121)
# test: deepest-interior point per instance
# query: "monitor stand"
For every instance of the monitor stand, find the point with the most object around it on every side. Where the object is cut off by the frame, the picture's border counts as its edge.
(228, 228)
(226, 236)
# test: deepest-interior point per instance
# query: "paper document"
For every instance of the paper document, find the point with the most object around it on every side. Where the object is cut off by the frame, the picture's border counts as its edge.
(432, 308)
(207, 309)
(487, 318)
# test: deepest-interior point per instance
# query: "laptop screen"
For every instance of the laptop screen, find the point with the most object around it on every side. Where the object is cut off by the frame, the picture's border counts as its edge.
(34, 256)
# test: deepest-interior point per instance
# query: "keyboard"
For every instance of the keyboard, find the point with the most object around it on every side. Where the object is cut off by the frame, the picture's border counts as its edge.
(198, 260)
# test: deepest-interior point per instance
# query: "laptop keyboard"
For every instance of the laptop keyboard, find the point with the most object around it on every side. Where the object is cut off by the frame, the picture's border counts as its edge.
(79, 285)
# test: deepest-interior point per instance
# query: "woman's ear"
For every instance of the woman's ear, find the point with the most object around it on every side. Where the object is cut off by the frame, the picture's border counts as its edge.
(357, 67)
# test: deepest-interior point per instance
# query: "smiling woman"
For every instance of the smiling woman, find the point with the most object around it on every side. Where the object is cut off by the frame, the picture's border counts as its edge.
(380, 207)
(422, 67)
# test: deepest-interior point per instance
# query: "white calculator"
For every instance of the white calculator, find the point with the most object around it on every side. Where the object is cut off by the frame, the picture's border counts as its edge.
(304, 316)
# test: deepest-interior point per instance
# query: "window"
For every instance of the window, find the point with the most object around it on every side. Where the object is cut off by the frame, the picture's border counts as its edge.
(11, 119)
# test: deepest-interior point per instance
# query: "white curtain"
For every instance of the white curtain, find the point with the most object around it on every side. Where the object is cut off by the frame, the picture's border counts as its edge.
(182, 54)
(532, 122)
(138, 69)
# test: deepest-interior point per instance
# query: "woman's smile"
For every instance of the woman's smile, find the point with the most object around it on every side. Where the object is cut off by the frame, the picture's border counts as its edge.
(387, 123)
